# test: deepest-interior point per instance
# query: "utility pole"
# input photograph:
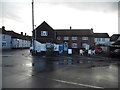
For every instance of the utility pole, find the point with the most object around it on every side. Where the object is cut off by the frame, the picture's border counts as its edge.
(33, 24)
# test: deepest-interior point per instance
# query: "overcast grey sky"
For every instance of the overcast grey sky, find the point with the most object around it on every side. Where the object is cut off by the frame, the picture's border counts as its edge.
(60, 14)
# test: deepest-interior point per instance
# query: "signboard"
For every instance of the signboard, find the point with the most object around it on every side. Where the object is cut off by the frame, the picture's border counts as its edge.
(49, 45)
(61, 48)
(56, 47)
(69, 51)
(65, 46)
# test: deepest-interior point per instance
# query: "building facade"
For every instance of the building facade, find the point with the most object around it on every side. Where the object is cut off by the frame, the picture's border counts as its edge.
(10, 39)
(65, 39)
(101, 39)
(5, 40)
(75, 38)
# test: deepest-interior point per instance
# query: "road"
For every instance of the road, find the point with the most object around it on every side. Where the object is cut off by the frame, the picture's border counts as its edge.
(22, 70)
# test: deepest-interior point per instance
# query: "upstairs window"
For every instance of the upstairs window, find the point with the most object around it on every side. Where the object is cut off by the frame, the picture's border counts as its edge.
(84, 38)
(44, 33)
(103, 39)
(3, 37)
(58, 38)
(98, 39)
(66, 38)
(74, 45)
(74, 38)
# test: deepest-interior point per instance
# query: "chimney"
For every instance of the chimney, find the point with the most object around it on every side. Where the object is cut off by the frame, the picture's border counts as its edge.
(25, 34)
(21, 33)
(70, 27)
(3, 27)
(92, 29)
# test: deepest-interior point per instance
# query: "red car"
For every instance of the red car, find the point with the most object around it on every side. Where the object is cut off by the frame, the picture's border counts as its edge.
(98, 49)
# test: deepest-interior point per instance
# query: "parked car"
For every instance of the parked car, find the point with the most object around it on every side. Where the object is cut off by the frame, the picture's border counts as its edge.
(115, 53)
(98, 49)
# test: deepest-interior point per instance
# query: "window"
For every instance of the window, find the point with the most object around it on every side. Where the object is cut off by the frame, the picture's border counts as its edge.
(84, 38)
(98, 39)
(44, 33)
(3, 37)
(74, 38)
(74, 45)
(3, 44)
(66, 38)
(58, 38)
(103, 39)
(86, 46)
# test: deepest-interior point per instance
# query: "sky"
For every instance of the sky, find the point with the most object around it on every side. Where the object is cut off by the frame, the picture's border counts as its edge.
(101, 15)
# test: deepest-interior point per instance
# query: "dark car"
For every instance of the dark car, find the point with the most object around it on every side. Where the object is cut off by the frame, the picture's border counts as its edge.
(115, 53)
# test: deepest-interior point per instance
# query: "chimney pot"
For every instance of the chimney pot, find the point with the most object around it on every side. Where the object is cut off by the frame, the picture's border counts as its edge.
(21, 33)
(3, 27)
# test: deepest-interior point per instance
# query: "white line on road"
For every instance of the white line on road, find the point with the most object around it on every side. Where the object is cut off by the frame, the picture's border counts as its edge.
(78, 84)
(73, 83)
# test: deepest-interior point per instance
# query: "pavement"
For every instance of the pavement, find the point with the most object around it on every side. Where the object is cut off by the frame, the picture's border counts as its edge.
(22, 70)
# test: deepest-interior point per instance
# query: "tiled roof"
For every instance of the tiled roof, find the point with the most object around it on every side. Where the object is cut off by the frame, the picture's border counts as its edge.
(74, 32)
(114, 37)
(44, 25)
(14, 34)
(101, 35)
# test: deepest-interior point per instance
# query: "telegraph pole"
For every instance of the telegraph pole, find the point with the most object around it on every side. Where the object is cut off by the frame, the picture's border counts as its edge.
(33, 24)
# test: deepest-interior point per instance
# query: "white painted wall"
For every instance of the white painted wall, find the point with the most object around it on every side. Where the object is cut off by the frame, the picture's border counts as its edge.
(7, 40)
(106, 41)
(56, 47)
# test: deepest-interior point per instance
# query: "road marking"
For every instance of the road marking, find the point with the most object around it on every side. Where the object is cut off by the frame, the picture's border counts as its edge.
(73, 83)
(77, 84)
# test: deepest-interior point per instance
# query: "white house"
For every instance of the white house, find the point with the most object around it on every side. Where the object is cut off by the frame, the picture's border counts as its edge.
(5, 40)
(10, 39)
(101, 38)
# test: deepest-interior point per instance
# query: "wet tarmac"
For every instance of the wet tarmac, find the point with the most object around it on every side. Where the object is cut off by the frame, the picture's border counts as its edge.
(22, 70)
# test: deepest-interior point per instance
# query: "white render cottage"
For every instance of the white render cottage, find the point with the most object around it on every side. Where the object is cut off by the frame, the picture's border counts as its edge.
(10, 40)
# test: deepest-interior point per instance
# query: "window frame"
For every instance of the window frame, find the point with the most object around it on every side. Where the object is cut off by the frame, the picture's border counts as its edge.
(66, 38)
(74, 38)
(44, 33)
(74, 45)
(84, 38)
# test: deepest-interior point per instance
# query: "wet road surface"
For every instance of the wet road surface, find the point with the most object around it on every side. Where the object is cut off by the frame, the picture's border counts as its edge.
(22, 70)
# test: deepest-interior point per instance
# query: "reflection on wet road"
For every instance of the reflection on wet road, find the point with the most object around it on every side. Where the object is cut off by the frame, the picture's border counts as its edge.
(26, 71)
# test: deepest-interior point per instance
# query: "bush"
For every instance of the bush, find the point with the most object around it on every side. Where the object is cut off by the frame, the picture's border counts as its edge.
(49, 52)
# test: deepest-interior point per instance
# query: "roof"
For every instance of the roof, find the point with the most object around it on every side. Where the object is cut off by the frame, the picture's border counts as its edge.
(3, 31)
(114, 37)
(14, 34)
(44, 25)
(101, 35)
(116, 43)
(19, 36)
(74, 32)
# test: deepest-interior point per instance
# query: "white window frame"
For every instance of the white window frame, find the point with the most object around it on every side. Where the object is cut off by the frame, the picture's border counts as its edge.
(74, 45)
(103, 40)
(44, 33)
(74, 38)
(58, 38)
(98, 39)
(66, 38)
(84, 38)
(4, 43)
